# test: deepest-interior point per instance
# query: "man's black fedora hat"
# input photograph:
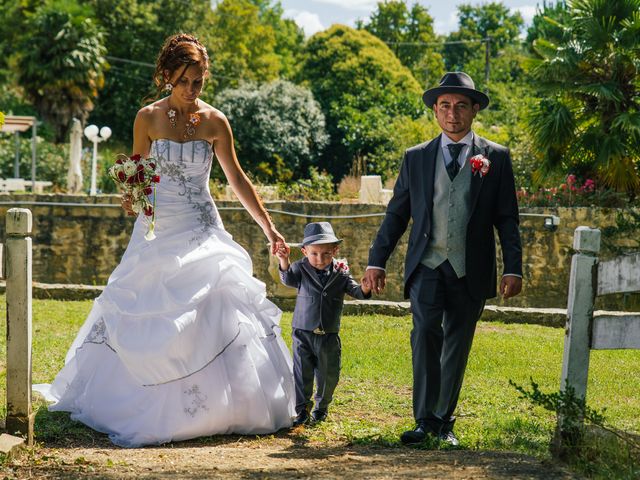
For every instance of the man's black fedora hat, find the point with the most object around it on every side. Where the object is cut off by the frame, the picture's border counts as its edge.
(455, 82)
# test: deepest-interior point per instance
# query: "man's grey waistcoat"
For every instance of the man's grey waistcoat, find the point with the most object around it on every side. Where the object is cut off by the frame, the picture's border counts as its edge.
(319, 306)
(450, 216)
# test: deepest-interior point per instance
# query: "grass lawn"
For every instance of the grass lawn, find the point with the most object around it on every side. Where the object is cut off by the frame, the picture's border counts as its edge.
(373, 399)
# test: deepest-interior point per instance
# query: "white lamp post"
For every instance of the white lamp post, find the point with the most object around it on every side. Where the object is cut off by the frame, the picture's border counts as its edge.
(96, 136)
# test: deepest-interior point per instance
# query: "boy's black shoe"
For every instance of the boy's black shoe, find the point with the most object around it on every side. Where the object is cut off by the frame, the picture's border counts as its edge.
(449, 438)
(318, 416)
(301, 419)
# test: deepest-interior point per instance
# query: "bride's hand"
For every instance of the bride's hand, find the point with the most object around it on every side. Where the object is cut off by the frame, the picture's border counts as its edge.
(276, 240)
(127, 206)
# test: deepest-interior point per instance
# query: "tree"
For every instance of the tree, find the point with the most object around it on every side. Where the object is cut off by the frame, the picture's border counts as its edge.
(243, 48)
(490, 20)
(547, 22)
(409, 34)
(589, 118)
(60, 64)
(289, 36)
(279, 129)
(134, 32)
(361, 86)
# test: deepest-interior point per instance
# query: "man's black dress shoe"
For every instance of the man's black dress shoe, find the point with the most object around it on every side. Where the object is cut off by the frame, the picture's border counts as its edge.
(301, 419)
(318, 416)
(449, 438)
(417, 435)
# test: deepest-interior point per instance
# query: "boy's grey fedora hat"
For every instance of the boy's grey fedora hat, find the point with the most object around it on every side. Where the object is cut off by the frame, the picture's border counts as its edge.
(316, 233)
(456, 82)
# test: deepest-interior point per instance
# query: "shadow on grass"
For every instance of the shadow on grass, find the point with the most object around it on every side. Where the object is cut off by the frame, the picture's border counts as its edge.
(58, 430)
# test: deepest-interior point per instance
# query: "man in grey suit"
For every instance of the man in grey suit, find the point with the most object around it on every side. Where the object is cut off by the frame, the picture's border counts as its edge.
(322, 282)
(456, 188)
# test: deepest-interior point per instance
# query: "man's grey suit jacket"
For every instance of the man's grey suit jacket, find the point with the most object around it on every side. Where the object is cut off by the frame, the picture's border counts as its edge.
(319, 306)
(493, 204)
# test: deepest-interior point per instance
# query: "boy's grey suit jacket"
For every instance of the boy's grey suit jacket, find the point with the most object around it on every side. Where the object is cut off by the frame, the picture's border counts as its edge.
(318, 306)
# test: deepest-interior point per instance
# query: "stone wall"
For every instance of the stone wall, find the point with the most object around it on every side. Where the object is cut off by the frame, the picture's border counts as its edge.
(80, 239)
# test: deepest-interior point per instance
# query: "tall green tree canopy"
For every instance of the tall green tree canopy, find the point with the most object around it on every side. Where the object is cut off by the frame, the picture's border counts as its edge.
(489, 20)
(547, 22)
(134, 32)
(589, 119)
(409, 34)
(360, 85)
(61, 64)
(279, 129)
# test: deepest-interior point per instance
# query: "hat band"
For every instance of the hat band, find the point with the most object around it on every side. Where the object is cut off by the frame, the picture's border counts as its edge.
(320, 238)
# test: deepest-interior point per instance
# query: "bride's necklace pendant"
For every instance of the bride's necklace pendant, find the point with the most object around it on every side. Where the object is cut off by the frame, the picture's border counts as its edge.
(189, 127)
(172, 114)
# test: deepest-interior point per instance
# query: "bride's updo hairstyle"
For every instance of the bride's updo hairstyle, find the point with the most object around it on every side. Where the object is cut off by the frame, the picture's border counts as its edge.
(178, 53)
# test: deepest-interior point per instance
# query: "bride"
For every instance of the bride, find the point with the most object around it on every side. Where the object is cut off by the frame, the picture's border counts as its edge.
(182, 343)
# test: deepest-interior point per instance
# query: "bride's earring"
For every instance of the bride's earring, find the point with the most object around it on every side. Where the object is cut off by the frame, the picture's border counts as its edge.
(168, 87)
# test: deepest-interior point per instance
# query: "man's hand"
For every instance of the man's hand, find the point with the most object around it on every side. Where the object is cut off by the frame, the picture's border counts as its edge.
(510, 286)
(376, 279)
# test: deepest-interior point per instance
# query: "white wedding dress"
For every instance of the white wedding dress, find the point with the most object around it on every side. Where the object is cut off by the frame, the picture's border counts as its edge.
(182, 343)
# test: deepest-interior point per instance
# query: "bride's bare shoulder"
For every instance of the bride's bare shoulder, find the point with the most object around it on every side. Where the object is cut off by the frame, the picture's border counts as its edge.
(211, 113)
(153, 109)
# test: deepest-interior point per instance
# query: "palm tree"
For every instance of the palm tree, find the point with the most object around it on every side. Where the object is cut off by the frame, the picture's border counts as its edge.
(60, 65)
(589, 118)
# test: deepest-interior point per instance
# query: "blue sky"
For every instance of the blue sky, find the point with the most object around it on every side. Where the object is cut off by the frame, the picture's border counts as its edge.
(316, 15)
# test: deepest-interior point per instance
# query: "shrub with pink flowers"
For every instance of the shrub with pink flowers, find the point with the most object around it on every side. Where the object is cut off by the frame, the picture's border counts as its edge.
(571, 193)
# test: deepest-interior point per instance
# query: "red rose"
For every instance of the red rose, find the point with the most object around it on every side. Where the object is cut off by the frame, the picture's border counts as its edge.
(148, 211)
(140, 177)
(148, 191)
(121, 176)
(131, 179)
(155, 179)
(135, 158)
(119, 161)
(480, 164)
(152, 165)
(140, 167)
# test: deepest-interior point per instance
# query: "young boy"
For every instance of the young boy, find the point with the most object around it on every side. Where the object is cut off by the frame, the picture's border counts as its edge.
(321, 281)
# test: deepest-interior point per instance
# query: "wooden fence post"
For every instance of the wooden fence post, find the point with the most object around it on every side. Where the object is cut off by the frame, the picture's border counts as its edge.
(18, 294)
(581, 297)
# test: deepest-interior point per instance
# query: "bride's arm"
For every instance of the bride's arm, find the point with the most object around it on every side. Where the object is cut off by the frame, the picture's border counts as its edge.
(141, 145)
(141, 140)
(240, 183)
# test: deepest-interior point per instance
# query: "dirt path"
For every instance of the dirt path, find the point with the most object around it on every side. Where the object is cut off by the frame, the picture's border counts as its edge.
(282, 457)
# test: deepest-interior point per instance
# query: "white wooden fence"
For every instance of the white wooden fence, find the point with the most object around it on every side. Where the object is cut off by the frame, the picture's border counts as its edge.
(586, 331)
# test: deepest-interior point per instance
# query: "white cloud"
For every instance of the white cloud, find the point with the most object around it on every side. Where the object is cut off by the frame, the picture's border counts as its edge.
(309, 22)
(365, 5)
(527, 12)
(445, 27)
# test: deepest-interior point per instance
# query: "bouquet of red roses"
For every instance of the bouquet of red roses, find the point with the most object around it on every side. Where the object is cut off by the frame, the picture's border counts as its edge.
(137, 177)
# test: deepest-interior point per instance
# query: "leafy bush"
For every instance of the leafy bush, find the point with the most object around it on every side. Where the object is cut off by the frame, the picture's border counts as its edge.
(51, 162)
(601, 451)
(319, 186)
(571, 193)
(278, 127)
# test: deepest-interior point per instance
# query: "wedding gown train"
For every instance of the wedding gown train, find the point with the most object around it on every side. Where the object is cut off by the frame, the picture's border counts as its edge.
(182, 343)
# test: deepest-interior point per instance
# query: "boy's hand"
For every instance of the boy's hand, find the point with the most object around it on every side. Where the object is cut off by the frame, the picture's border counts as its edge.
(365, 285)
(282, 252)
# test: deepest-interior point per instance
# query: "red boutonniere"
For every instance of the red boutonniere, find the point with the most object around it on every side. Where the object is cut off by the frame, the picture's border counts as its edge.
(341, 265)
(480, 164)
